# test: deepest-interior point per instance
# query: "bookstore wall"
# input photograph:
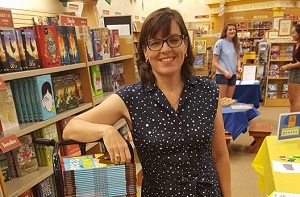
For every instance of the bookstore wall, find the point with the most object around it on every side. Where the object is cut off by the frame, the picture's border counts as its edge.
(53, 66)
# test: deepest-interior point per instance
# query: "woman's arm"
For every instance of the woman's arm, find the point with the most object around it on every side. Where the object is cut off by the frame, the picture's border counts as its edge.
(215, 63)
(220, 152)
(98, 123)
(290, 66)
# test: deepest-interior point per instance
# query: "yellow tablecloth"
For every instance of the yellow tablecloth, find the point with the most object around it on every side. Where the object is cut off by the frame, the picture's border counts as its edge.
(270, 181)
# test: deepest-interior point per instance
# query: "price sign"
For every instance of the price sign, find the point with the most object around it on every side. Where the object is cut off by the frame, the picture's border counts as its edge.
(6, 18)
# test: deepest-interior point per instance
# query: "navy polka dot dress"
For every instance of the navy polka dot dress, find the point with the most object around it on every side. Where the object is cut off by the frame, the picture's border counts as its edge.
(174, 147)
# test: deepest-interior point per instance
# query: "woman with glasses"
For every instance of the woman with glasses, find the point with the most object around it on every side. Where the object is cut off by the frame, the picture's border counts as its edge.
(227, 61)
(175, 117)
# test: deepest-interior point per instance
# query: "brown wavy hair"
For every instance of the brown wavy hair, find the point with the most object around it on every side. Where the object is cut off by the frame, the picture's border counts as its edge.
(160, 20)
(235, 39)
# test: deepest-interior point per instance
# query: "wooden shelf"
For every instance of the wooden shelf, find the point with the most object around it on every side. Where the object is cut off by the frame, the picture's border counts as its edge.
(32, 126)
(277, 102)
(17, 186)
(281, 60)
(279, 78)
(102, 97)
(42, 71)
(114, 59)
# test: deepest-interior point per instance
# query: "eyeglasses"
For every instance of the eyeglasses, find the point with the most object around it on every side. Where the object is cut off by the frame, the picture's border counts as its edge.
(173, 41)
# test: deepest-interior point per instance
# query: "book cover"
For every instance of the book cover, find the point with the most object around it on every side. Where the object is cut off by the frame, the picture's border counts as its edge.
(289, 51)
(105, 41)
(83, 32)
(272, 95)
(59, 94)
(11, 164)
(62, 39)
(272, 87)
(199, 61)
(79, 91)
(23, 100)
(48, 48)
(45, 188)
(25, 86)
(275, 52)
(115, 43)
(31, 50)
(21, 48)
(8, 116)
(43, 87)
(4, 167)
(73, 45)
(96, 80)
(286, 73)
(17, 101)
(117, 77)
(33, 98)
(25, 156)
(274, 71)
(48, 132)
(96, 42)
(39, 149)
(70, 92)
(10, 59)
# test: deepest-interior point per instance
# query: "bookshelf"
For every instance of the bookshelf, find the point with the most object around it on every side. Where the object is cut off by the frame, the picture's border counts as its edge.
(275, 84)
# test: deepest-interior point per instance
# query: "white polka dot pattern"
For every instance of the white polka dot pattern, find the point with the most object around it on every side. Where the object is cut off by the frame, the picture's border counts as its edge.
(175, 146)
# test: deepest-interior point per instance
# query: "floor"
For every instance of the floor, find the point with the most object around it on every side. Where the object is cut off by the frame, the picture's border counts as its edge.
(244, 178)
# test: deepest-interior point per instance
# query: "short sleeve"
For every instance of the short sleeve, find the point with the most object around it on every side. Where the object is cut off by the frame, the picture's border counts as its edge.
(217, 48)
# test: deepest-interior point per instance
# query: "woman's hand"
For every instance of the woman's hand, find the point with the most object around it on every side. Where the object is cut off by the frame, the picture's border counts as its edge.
(239, 69)
(116, 146)
(285, 67)
(227, 75)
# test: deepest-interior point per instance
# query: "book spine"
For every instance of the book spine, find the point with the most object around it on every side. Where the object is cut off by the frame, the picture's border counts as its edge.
(17, 101)
(32, 116)
(26, 115)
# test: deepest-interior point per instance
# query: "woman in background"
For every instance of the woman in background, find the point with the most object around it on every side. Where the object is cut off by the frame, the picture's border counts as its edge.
(294, 67)
(227, 61)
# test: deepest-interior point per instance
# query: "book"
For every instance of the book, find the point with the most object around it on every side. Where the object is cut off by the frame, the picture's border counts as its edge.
(285, 89)
(33, 98)
(44, 188)
(8, 115)
(96, 80)
(289, 51)
(5, 167)
(275, 52)
(47, 44)
(115, 43)
(272, 91)
(10, 59)
(274, 71)
(59, 94)
(73, 45)
(70, 92)
(117, 77)
(62, 39)
(96, 43)
(11, 164)
(23, 100)
(105, 41)
(32, 116)
(31, 50)
(25, 156)
(27, 193)
(79, 91)
(83, 32)
(199, 61)
(21, 48)
(17, 100)
(45, 98)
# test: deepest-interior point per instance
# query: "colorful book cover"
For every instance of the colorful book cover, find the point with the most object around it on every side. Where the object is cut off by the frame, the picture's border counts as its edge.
(17, 101)
(275, 52)
(71, 97)
(10, 58)
(96, 42)
(43, 87)
(274, 71)
(117, 77)
(73, 45)
(59, 94)
(105, 41)
(48, 132)
(31, 50)
(115, 43)
(272, 87)
(48, 45)
(11, 164)
(289, 126)
(199, 61)
(289, 51)
(83, 32)
(4, 166)
(45, 188)
(25, 86)
(79, 91)
(21, 48)
(39, 149)
(8, 115)
(96, 80)
(62, 39)
(25, 156)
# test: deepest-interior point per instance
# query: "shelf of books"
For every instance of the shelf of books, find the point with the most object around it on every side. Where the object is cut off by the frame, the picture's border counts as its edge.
(277, 81)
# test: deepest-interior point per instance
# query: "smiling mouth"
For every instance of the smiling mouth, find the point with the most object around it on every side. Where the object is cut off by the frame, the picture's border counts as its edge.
(167, 59)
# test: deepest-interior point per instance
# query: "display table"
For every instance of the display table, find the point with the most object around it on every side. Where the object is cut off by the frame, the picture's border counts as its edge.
(236, 120)
(270, 181)
(248, 92)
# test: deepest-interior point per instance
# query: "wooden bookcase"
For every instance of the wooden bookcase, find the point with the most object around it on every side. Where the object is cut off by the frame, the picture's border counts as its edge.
(275, 80)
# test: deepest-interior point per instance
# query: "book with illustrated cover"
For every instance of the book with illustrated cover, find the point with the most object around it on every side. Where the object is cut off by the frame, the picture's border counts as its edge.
(31, 50)
(11, 164)
(8, 115)
(10, 57)
(17, 101)
(25, 156)
(45, 98)
(38, 149)
(275, 52)
(289, 51)
(83, 32)
(115, 43)
(62, 39)
(48, 132)
(105, 41)
(47, 44)
(199, 61)
(79, 91)
(117, 77)
(21, 48)
(96, 80)
(286, 73)
(59, 94)
(96, 41)
(272, 91)
(44, 188)
(5, 166)
(285, 89)
(73, 45)
(70, 92)
(274, 71)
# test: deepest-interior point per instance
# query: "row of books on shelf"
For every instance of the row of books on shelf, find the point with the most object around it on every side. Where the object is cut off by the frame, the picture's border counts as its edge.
(242, 25)
(272, 91)
(274, 71)
(107, 77)
(275, 51)
(45, 46)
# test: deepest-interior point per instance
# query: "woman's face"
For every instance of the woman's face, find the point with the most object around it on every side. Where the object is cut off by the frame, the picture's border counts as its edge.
(167, 61)
(295, 35)
(231, 31)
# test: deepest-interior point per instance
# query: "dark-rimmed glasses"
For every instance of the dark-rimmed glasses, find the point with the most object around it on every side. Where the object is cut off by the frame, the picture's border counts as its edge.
(173, 41)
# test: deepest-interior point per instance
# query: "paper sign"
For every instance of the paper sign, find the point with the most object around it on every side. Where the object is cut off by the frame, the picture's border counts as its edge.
(6, 18)
(249, 73)
(286, 167)
(283, 194)
(67, 20)
(289, 126)
(9, 143)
